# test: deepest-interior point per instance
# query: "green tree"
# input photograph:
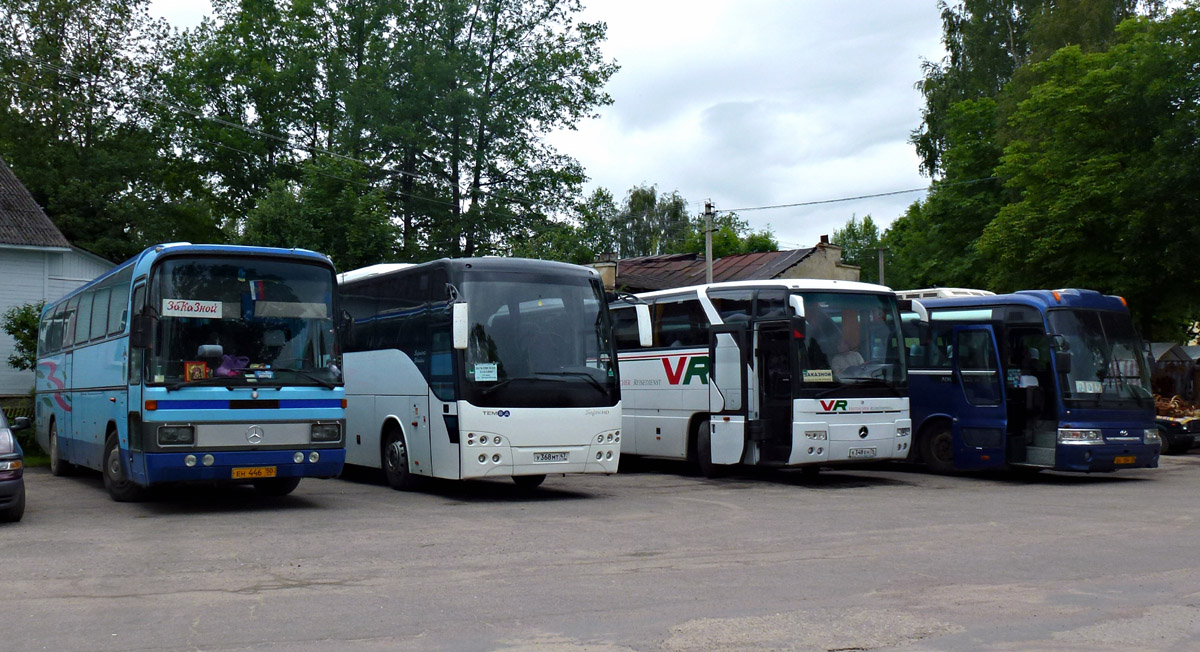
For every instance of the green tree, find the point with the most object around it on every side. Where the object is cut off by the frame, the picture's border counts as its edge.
(21, 323)
(1101, 166)
(860, 244)
(77, 128)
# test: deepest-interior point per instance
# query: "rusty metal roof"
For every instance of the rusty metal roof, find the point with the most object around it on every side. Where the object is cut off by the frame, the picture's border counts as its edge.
(22, 221)
(681, 270)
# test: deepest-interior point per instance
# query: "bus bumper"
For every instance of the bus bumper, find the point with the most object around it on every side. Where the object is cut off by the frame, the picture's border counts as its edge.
(172, 467)
(1106, 457)
(524, 460)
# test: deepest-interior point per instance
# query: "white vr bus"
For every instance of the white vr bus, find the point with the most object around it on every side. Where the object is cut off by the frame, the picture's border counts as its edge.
(480, 368)
(776, 373)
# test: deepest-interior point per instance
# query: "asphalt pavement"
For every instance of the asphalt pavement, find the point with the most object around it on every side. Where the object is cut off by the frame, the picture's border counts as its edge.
(873, 558)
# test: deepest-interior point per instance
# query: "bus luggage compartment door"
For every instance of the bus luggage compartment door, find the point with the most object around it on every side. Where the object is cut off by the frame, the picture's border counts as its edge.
(979, 429)
(727, 393)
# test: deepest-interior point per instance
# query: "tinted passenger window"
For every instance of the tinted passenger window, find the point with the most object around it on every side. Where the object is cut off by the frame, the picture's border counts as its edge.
(100, 313)
(118, 309)
(734, 306)
(83, 321)
(679, 323)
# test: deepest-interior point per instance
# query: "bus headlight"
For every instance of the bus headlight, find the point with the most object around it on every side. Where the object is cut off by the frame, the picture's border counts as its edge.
(176, 435)
(903, 432)
(326, 432)
(1151, 436)
(1079, 436)
(816, 434)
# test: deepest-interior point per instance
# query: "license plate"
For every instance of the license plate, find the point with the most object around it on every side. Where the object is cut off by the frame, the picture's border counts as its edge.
(1124, 459)
(254, 472)
(862, 452)
(550, 457)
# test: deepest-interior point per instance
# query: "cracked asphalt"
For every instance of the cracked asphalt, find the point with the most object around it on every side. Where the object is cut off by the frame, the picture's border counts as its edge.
(874, 558)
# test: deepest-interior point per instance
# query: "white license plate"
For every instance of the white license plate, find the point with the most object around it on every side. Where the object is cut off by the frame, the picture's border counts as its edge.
(550, 457)
(862, 452)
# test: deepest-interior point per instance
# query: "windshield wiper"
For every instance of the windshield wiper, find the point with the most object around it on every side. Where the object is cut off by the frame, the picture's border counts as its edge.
(199, 382)
(861, 381)
(307, 374)
(488, 390)
(582, 374)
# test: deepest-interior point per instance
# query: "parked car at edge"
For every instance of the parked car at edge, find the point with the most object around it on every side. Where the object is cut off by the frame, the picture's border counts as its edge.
(1178, 434)
(12, 469)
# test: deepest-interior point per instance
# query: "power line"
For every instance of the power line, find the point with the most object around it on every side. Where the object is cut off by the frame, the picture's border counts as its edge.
(858, 197)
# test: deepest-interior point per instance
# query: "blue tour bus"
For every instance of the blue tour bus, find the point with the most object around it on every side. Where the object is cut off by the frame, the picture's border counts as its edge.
(228, 370)
(1037, 379)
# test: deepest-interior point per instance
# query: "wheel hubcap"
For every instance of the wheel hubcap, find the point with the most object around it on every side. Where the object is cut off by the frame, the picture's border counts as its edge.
(395, 455)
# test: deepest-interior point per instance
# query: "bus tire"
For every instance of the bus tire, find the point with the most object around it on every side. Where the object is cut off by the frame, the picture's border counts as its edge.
(58, 466)
(16, 510)
(275, 486)
(529, 481)
(395, 461)
(116, 480)
(937, 449)
(704, 452)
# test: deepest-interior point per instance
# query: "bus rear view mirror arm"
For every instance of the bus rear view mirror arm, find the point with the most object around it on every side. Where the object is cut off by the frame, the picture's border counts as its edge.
(914, 306)
(645, 336)
(459, 325)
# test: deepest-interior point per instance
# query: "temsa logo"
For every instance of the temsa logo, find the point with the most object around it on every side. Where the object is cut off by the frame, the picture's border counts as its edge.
(686, 368)
(834, 406)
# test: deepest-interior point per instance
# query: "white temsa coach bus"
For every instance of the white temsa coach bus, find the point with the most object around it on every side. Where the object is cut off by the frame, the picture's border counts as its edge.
(777, 373)
(481, 367)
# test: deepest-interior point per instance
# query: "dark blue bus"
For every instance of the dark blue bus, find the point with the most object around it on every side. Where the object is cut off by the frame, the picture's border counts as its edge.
(1037, 379)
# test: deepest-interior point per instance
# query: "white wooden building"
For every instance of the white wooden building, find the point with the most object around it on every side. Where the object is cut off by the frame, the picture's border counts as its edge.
(36, 263)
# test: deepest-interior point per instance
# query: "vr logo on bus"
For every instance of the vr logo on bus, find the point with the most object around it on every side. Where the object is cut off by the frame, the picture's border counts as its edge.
(687, 368)
(834, 405)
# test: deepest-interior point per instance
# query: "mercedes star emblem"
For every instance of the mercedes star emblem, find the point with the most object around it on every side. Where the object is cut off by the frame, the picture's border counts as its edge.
(863, 432)
(254, 434)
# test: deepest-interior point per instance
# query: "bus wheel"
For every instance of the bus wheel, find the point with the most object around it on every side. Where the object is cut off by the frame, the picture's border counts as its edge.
(395, 461)
(937, 448)
(704, 452)
(529, 481)
(276, 486)
(58, 466)
(120, 487)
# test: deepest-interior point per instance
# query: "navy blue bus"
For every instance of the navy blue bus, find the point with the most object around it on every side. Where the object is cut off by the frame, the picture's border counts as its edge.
(212, 363)
(1037, 379)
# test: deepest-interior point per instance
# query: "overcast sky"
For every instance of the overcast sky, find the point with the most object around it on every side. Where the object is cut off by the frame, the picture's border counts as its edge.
(753, 103)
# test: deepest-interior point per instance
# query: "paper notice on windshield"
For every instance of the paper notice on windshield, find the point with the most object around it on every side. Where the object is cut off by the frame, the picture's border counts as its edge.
(189, 308)
(1088, 387)
(818, 375)
(485, 372)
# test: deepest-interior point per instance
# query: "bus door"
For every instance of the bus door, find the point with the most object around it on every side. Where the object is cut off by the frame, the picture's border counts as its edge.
(135, 359)
(978, 402)
(775, 363)
(727, 392)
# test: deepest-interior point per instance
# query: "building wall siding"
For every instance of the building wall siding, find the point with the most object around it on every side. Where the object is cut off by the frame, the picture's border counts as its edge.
(824, 263)
(31, 275)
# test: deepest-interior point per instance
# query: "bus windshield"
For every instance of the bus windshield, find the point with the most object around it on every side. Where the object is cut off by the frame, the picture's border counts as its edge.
(538, 341)
(233, 321)
(1107, 367)
(850, 341)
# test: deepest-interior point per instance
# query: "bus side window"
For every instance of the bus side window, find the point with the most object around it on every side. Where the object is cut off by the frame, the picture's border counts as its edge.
(69, 316)
(734, 306)
(118, 309)
(624, 323)
(679, 323)
(772, 304)
(100, 314)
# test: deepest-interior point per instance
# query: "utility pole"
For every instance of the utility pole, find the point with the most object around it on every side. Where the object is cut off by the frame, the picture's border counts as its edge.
(708, 215)
(881, 250)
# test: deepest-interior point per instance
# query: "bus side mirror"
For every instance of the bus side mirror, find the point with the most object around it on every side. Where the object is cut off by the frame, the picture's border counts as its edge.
(645, 334)
(19, 423)
(458, 329)
(141, 331)
(915, 307)
(1062, 362)
(797, 303)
